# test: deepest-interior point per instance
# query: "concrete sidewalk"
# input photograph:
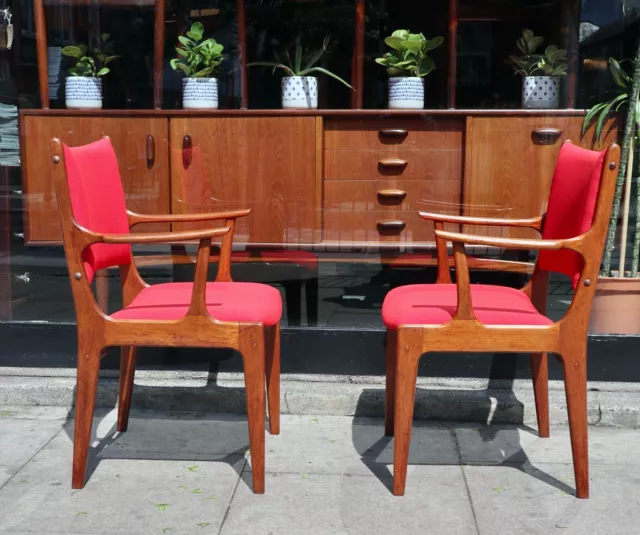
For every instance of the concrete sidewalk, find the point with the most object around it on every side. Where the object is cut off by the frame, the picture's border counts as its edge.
(188, 473)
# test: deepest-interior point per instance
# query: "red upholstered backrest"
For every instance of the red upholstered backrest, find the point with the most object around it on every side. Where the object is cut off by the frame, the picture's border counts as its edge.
(97, 201)
(572, 204)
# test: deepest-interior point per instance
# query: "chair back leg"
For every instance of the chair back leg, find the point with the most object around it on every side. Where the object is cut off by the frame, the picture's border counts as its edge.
(272, 350)
(127, 372)
(389, 396)
(540, 374)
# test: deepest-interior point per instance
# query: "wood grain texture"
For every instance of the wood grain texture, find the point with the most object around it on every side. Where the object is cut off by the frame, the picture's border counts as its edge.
(263, 163)
(158, 50)
(508, 166)
(41, 52)
(357, 71)
(352, 208)
(146, 187)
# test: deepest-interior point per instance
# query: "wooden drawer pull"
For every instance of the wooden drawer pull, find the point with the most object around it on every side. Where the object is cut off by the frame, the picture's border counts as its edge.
(395, 163)
(151, 150)
(392, 194)
(546, 136)
(394, 225)
(187, 151)
(393, 132)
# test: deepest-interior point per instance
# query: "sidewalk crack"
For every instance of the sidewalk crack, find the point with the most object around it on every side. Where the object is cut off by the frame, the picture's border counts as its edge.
(233, 495)
(454, 435)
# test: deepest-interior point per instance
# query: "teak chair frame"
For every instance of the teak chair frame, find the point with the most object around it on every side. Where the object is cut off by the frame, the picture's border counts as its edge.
(566, 338)
(258, 345)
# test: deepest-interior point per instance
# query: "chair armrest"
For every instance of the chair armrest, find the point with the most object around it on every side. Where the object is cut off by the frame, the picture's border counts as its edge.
(575, 244)
(163, 237)
(136, 219)
(534, 222)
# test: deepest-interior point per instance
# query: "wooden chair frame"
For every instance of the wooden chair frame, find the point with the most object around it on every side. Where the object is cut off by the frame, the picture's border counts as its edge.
(566, 338)
(258, 345)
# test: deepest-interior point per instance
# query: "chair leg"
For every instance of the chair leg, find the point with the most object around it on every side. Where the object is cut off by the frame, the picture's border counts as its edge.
(575, 380)
(86, 386)
(390, 390)
(540, 373)
(311, 297)
(293, 299)
(272, 350)
(409, 349)
(252, 350)
(127, 371)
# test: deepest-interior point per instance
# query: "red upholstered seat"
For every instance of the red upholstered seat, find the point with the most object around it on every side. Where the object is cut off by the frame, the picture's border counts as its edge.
(226, 301)
(435, 304)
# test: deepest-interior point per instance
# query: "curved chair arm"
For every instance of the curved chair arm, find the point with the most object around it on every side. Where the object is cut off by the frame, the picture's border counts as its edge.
(136, 219)
(534, 222)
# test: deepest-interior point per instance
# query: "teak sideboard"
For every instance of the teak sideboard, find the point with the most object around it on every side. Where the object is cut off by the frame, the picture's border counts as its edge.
(342, 179)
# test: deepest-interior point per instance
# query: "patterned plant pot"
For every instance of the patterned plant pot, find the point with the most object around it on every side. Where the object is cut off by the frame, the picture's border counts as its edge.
(83, 93)
(300, 92)
(541, 92)
(200, 93)
(406, 92)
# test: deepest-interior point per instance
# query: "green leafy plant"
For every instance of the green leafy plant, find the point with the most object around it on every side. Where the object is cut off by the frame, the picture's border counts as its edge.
(553, 62)
(91, 64)
(197, 58)
(409, 54)
(303, 63)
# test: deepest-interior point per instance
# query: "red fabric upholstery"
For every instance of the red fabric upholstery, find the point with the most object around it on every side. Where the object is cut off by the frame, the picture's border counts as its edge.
(226, 301)
(572, 203)
(97, 201)
(435, 304)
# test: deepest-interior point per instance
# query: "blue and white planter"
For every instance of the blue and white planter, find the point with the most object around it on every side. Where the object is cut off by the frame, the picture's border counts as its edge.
(200, 93)
(541, 92)
(300, 92)
(83, 93)
(406, 92)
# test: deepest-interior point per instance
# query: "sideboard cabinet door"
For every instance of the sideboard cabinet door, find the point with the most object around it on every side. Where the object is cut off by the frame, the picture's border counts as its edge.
(140, 144)
(267, 164)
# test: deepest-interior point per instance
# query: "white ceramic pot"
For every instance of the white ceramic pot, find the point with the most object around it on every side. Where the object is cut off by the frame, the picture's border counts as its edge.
(200, 93)
(406, 92)
(300, 92)
(83, 93)
(541, 92)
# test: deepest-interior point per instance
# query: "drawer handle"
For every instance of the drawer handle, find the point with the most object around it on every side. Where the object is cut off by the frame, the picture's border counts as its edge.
(393, 132)
(546, 136)
(394, 163)
(187, 151)
(393, 196)
(151, 151)
(391, 225)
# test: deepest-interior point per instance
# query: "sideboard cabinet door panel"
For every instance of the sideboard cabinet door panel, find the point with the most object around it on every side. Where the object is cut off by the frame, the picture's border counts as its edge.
(141, 147)
(267, 164)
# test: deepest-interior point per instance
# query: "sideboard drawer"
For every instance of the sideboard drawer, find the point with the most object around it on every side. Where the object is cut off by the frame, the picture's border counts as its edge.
(393, 133)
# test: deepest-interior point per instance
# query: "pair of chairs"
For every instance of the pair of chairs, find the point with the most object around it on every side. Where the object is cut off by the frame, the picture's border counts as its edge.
(245, 316)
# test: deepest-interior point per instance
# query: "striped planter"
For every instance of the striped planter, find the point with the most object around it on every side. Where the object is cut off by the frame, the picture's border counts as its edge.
(83, 93)
(200, 93)
(300, 92)
(406, 92)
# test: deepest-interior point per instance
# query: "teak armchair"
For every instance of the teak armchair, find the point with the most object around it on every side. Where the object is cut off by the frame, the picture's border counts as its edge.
(241, 316)
(450, 317)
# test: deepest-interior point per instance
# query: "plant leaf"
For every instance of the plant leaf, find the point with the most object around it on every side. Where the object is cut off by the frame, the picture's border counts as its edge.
(72, 51)
(434, 43)
(324, 71)
(186, 41)
(103, 71)
(425, 66)
(602, 118)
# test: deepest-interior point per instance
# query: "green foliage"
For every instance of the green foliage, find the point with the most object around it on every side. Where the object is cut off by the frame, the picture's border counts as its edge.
(409, 54)
(623, 81)
(553, 62)
(301, 62)
(91, 64)
(197, 58)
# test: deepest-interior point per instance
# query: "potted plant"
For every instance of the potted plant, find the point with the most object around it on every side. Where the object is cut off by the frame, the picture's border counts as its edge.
(299, 90)
(616, 305)
(407, 64)
(541, 72)
(83, 87)
(198, 60)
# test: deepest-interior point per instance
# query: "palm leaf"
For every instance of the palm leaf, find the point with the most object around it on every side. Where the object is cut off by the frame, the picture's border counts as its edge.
(275, 66)
(603, 117)
(324, 71)
(591, 114)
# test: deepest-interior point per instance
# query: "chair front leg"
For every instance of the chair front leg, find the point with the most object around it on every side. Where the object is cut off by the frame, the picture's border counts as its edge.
(272, 350)
(252, 349)
(86, 386)
(390, 390)
(575, 381)
(540, 374)
(408, 352)
(127, 372)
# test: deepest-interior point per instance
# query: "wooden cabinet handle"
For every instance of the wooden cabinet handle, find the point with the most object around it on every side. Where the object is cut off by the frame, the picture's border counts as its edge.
(393, 132)
(392, 162)
(395, 195)
(187, 151)
(394, 225)
(151, 150)
(546, 136)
